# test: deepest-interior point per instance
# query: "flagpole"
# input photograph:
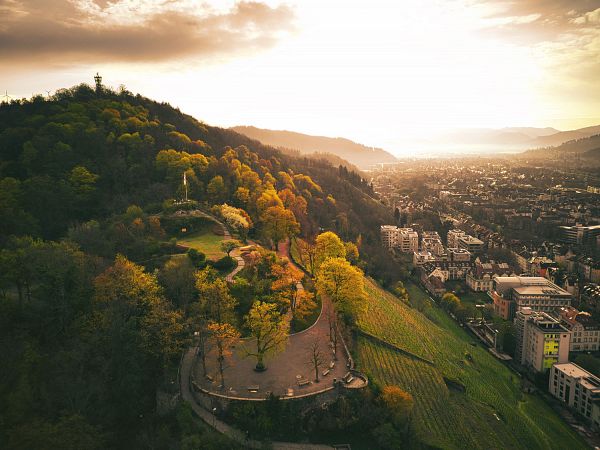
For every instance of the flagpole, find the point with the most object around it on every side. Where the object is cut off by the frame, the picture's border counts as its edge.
(185, 186)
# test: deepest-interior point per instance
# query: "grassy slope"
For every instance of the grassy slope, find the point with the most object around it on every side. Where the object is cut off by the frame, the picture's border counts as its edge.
(206, 242)
(442, 417)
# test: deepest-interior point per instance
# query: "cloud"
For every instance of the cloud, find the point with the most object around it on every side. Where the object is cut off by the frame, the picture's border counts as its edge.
(563, 35)
(591, 17)
(76, 31)
(535, 21)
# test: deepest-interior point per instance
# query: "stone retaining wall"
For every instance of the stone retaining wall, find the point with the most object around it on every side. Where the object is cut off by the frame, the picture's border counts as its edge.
(210, 400)
(394, 347)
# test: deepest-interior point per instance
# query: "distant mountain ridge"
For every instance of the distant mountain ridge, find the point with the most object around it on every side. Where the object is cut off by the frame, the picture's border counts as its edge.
(513, 138)
(587, 148)
(566, 136)
(357, 154)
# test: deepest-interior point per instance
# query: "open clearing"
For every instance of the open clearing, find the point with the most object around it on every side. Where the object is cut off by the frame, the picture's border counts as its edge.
(205, 241)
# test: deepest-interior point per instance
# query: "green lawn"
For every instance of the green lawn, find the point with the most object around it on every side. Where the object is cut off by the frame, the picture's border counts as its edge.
(205, 241)
(492, 413)
(466, 295)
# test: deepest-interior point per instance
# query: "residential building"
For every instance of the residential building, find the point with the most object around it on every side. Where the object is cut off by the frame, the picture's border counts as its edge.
(452, 237)
(480, 278)
(433, 279)
(404, 239)
(450, 270)
(459, 254)
(590, 297)
(470, 243)
(541, 340)
(580, 235)
(431, 242)
(460, 239)
(510, 294)
(585, 331)
(578, 389)
(422, 257)
(538, 265)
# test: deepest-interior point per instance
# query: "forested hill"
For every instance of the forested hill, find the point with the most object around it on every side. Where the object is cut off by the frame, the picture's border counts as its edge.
(96, 304)
(84, 155)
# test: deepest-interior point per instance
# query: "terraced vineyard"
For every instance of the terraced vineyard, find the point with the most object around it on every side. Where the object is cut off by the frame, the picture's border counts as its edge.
(491, 413)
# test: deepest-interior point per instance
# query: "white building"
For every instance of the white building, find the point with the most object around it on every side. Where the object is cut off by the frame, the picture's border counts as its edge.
(404, 239)
(578, 388)
(585, 331)
(431, 242)
(422, 257)
(460, 239)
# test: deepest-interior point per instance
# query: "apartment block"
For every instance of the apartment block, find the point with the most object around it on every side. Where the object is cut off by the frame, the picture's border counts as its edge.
(460, 239)
(404, 239)
(459, 254)
(541, 340)
(431, 242)
(578, 389)
(452, 237)
(511, 294)
(580, 235)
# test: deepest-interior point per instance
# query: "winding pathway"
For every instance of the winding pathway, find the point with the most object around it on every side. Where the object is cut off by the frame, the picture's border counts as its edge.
(187, 365)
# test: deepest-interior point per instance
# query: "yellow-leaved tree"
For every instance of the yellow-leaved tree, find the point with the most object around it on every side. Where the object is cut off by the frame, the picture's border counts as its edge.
(269, 330)
(328, 245)
(343, 283)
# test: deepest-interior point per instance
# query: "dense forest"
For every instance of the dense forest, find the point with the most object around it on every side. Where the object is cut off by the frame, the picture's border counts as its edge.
(92, 323)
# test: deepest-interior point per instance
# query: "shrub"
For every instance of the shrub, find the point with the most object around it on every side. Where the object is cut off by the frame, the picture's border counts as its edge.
(197, 257)
(224, 264)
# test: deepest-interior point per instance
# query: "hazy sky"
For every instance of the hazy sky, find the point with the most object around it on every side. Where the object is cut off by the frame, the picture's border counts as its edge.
(379, 72)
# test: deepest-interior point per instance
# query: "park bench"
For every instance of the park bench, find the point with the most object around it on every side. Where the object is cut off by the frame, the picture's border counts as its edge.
(290, 392)
(332, 364)
(326, 372)
(303, 383)
(253, 388)
(209, 378)
(348, 378)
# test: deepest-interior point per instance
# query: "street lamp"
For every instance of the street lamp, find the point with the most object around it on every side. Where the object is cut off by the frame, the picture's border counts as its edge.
(214, 411)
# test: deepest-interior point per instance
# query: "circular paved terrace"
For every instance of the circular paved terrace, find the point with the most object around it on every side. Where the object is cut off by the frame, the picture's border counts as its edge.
(288, 374)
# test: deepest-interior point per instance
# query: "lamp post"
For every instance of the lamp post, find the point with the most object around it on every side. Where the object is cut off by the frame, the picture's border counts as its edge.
(214, 411)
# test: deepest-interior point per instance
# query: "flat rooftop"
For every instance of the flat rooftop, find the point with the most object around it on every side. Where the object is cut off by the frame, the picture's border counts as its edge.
(572, 370)
(586, 379)
(540, 290)
(528, 286)
(470, 239)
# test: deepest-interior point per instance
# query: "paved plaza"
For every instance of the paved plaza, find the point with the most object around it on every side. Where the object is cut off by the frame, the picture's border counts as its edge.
(289, 373)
